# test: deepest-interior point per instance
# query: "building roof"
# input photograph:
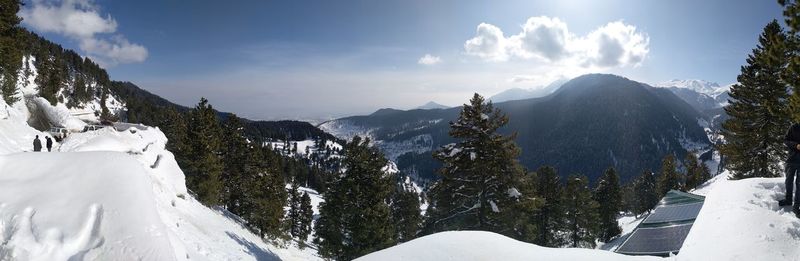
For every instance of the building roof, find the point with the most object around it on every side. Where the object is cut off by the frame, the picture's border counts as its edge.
(662, 232)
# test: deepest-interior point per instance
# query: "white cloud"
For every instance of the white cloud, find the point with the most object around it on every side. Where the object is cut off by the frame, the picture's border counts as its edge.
(488, 43)
(429, 60)
(81, 21)
(549, 40)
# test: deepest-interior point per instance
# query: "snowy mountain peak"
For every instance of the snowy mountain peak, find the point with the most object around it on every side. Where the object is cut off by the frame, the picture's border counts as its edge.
(712, 89)
(431, 105)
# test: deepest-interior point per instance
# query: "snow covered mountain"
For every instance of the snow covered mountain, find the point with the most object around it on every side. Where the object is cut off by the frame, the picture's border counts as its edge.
(711, 89)
(588, 118)
(431, 105)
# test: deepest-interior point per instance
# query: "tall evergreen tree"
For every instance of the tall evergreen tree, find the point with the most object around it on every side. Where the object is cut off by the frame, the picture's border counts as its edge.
(609, 195)
(646, 193)
(791, 75)
(477, 174)
(10, 50)
(204, 162)
(669, 178)
(306, 218)
(235, 156)
(694, 171)
(266, 196)
(294, 217)
(580, 212)
(550, 216)
(405, 213)
(758, 111)
(355, 218)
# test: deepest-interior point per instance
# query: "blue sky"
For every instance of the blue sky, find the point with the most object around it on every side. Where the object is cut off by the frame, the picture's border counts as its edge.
(321, 59)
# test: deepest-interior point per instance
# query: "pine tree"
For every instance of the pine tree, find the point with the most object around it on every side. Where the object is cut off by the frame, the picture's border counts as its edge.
(266, 196)
(306, 218)
(549, 217)
(759, 115)
(609, 195)
(235, 154)
(355, 218)
(791, 74)
(10, 50)
(204, 162)
(646, 193)
(694, 172)
(580, 212)
(526, 227)
(405, 213)
(477, 174)
(295, 213)
(669, 178)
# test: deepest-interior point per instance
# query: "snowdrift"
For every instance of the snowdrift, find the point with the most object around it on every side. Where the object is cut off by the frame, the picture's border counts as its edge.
(112, 195)
(741, 220)
(480, 245)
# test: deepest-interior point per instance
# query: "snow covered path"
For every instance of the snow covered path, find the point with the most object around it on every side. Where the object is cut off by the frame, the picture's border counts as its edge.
(112, 195)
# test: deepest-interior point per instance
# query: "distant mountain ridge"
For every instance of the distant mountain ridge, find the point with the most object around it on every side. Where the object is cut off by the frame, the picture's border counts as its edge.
(431, 105)
(522, 94)
(589, 124)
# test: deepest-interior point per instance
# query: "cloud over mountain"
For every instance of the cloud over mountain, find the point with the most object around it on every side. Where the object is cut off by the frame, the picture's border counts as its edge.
(549, 40)
(82, 21)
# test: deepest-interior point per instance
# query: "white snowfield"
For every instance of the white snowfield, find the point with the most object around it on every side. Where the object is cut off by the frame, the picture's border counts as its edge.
(480, 246)
(109, 195)
(740, 220)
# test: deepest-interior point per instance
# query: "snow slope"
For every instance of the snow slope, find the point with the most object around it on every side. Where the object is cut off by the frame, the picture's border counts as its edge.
(109, 195)
(741, 220)
(480, 245)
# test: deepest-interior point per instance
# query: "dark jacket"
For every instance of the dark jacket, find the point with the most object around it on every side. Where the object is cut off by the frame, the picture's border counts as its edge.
(37, 145)
(791, 140)
(49, 142)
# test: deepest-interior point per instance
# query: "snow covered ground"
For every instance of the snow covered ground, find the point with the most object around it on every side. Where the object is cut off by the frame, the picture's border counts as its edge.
(480, 245)
(109, 195)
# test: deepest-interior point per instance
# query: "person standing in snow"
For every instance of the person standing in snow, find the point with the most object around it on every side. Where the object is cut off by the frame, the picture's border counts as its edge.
(37, 144)
(792, 141)
(49, 143)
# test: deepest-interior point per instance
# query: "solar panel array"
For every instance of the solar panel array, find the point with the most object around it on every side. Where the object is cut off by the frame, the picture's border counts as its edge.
(665, 229)
(655, 241)
(674, 213)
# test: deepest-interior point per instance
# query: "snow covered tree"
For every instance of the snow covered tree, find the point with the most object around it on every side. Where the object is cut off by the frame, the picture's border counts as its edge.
(609, 195)
(355, 218)
(694, 171)
(204, 161)
(478, 173)
(580, 212)
(669, 178)
(758, 111)
(405, 213)
(10, 51)
(550, 216)
(646, 193)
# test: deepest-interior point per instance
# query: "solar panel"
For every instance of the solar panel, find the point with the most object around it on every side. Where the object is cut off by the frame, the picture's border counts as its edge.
(656, 240)
(674, 213)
